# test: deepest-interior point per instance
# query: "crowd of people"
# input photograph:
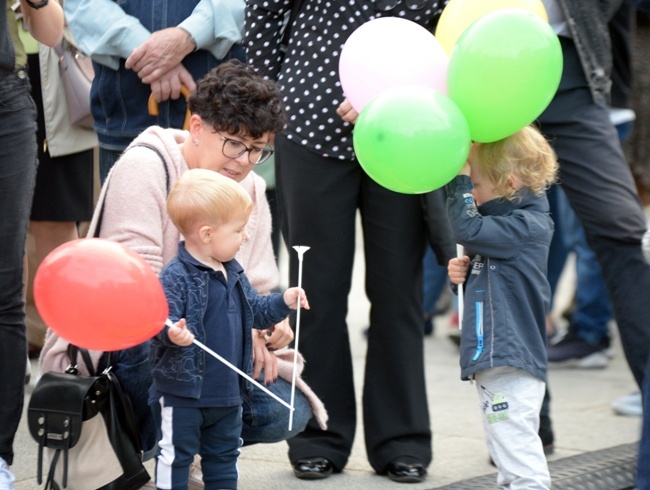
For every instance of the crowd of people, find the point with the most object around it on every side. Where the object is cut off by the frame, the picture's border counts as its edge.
(264, 87)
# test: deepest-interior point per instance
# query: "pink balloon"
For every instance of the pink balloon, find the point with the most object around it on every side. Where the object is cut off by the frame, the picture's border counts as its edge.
(389, 52)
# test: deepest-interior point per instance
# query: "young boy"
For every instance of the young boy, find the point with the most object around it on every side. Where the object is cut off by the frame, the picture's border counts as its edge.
(195, 398)
(504, 224)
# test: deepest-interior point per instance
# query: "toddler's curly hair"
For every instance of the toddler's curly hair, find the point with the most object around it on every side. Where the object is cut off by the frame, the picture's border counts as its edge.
(526, 155)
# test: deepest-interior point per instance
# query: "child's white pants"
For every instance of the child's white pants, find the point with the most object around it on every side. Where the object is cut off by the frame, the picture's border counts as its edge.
(510, 400)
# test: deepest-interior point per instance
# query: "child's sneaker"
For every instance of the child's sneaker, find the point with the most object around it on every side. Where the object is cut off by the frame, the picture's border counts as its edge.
(6, 476)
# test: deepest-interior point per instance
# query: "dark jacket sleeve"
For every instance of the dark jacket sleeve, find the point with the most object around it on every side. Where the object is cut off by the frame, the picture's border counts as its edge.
(268, 309)
(438, 228)
(499, 237)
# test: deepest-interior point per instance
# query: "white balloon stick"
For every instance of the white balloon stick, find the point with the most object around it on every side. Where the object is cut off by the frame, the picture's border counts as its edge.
(460, 252)
(300, 249)
(236, 369)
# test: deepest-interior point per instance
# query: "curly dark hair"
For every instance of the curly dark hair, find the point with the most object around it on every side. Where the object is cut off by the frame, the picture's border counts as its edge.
(234, 98)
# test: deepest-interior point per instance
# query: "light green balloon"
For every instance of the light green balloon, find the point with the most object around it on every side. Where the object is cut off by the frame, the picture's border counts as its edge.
(503, 72)
(411, 139)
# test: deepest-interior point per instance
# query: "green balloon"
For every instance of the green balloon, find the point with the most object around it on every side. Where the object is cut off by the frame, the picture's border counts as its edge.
(503, 72)
(411, 139)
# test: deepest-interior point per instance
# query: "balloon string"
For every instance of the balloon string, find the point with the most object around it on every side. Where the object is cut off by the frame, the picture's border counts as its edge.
(460, 252)
(301, 251)
(237, 370)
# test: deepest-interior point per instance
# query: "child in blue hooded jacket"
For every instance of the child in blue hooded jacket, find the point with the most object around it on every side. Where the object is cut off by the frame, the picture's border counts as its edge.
(503, 222)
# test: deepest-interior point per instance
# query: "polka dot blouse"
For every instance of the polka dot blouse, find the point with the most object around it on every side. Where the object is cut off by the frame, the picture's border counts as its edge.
(308, 73)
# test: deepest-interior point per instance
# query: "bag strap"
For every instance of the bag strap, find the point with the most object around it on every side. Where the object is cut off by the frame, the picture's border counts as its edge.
(58, 49)
(121, 402)
(164, 164)
(73, 351)
(51, 484)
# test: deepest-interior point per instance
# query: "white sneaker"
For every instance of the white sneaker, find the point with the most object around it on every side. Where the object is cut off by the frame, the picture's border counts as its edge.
(630, 405)
(645, 245)
(7, 478)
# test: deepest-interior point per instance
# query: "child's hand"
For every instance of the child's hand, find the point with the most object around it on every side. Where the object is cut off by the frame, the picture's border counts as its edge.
(457, 269)
(179, 334)
(291, 298)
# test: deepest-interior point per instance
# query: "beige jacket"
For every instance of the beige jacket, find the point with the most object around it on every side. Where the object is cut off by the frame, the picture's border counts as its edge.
(62, 137)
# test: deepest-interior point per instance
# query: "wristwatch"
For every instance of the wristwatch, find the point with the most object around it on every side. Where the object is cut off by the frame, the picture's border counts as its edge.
(38, 5)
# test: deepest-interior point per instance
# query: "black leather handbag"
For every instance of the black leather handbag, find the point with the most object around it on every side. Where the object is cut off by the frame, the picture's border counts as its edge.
(87, 422)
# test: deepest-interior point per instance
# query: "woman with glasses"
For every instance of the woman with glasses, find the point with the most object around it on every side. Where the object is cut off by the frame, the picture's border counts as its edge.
(320, 187)
(235, 114)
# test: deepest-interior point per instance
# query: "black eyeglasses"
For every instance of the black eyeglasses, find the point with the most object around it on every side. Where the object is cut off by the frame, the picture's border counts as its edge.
(388, 5)
(234, 149)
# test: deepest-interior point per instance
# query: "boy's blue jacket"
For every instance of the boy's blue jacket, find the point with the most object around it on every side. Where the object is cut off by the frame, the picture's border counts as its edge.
(179, 370)
(506, 288)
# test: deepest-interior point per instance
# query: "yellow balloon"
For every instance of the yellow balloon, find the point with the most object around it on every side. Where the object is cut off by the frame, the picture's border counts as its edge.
(458, 15)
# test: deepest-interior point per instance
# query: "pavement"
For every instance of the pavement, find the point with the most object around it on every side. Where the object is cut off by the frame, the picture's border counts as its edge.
(582, 416)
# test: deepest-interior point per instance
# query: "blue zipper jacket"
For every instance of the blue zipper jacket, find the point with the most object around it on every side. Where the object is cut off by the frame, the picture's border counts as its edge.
(179, 370)
(506, 293)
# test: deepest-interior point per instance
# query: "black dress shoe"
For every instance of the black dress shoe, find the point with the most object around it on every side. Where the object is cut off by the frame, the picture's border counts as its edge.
(403, 472)
(312, 468)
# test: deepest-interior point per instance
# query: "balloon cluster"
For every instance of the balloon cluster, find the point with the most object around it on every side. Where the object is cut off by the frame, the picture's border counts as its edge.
(99, 295)
(491, 69)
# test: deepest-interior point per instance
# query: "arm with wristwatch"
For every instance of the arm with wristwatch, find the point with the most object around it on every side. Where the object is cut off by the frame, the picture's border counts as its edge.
(43, 19)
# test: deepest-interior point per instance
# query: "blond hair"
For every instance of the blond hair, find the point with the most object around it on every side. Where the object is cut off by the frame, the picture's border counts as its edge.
(525, 155)
(203, 196)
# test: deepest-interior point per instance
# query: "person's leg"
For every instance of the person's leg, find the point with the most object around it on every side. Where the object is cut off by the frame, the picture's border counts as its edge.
(396, 417)
(265, 420)
(600, 188)
(179, 438)
(220, 447)
(643, 462)
(593, 310)
(132, 368)
(107, 159)
(17, 176)
(317, 199)
(510, 400)
(435, 280)
(50, 234)
(558, 251)
(587, 341)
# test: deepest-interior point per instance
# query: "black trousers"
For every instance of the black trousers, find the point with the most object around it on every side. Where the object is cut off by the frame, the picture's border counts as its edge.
(598, 182)
(318, 199)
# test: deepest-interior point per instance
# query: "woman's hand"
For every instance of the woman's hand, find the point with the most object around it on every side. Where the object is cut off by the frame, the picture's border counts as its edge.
(264, 359)
(278, 336)
(347, 112)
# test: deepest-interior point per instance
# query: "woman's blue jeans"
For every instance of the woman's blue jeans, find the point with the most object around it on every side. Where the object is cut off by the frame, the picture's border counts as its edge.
(264, 419)
(17, 177)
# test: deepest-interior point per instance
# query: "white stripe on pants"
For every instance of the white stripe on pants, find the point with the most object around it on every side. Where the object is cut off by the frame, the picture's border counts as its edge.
(510, 399)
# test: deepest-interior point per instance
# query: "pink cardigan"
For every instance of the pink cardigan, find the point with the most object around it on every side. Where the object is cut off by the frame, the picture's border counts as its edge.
(134, 215)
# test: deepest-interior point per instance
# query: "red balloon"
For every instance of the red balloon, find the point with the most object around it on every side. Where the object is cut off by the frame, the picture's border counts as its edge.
(99, 295)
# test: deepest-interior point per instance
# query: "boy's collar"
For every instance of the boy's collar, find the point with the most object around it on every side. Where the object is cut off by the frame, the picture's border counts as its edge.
(185, 256)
